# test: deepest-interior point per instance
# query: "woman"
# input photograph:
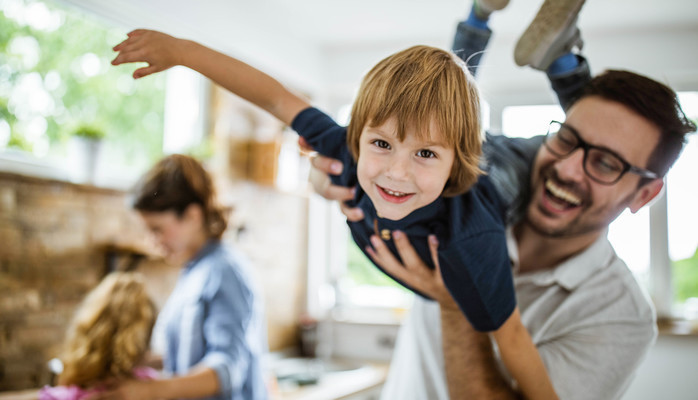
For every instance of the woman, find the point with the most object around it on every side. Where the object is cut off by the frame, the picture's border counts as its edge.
(212, 323)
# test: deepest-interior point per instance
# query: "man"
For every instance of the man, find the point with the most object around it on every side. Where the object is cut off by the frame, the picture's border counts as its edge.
(589, 320)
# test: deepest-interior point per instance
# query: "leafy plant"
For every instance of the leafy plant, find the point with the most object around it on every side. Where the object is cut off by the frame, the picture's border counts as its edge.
(686, 278)
(66, 65)
(89, 132)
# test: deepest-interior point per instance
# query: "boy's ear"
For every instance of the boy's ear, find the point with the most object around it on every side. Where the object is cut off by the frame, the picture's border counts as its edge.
(645, 194)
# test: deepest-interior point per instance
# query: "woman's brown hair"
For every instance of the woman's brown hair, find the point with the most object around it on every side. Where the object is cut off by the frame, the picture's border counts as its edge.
(175, 183)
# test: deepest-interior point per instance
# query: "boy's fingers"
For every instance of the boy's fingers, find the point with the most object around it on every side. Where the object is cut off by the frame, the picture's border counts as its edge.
(145, 71)
(136, 32)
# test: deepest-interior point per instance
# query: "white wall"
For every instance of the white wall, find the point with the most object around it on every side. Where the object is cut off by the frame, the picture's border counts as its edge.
(668, 372)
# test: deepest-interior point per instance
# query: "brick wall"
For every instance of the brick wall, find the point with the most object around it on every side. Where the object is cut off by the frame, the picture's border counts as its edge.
(52, 238)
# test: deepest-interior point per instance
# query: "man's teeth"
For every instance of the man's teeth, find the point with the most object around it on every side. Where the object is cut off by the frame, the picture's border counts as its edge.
(562, 193)
(396, 194)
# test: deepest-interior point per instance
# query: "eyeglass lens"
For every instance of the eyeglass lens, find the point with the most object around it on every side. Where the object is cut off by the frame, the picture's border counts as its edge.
(599, 164)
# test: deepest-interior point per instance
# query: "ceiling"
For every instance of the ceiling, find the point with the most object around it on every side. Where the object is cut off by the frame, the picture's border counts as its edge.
(324, 46)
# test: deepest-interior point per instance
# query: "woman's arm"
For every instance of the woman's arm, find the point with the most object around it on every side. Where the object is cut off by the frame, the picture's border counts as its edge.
(162, 51)
(200, 382)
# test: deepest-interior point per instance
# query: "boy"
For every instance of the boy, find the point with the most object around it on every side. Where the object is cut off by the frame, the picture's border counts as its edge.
(413, 145)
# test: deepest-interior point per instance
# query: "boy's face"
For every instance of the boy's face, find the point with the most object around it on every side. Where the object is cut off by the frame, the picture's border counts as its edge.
(400, 177)
(565, 202)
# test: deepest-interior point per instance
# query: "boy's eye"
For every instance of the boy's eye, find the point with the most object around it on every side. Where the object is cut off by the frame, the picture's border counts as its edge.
(381, 143)
(424, 153)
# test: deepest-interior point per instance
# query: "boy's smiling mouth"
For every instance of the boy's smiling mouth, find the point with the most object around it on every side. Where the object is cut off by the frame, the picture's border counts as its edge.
(393, 196)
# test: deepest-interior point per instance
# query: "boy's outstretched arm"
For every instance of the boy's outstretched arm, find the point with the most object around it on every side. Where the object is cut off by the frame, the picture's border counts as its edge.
(162, 51)
(471, 368)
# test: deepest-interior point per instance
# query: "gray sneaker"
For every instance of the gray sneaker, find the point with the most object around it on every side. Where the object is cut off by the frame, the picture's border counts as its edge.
(483, 8)
(552, 33)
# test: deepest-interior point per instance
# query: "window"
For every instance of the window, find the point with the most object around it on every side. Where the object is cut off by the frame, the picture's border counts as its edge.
(56, 78)
(682, 215)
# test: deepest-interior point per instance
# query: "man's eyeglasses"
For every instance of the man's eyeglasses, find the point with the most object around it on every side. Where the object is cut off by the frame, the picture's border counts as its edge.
(600, 164)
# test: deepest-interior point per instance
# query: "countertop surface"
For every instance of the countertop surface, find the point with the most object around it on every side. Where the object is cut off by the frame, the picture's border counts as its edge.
(335, 385)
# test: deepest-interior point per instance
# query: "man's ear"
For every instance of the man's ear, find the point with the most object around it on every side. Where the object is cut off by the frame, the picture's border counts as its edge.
(645, 194)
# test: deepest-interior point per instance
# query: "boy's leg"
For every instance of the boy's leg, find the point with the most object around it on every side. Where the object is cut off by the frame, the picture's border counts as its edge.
(547, 45)
(473, 34)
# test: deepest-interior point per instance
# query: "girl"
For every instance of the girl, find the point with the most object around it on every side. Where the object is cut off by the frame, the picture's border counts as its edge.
(107, 339)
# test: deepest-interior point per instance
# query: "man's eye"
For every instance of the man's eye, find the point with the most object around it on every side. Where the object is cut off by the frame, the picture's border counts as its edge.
(566, 140)
(381, 143)
(606, 164)
(426, 153)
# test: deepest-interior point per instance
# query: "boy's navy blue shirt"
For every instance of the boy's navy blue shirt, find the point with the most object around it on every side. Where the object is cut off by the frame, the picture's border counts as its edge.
(470, 227)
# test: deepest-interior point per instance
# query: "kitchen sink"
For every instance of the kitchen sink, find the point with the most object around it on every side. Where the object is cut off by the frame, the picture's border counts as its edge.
(307, 371)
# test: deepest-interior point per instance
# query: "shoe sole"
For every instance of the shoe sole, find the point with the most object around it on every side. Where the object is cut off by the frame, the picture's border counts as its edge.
(552, 21)
(493, 5)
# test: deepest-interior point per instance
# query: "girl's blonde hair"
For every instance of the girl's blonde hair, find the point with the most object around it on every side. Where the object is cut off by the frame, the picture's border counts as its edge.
(176, 182)
(110, 332)
(417, 86)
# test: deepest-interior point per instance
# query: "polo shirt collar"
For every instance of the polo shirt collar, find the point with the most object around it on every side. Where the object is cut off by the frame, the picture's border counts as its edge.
(573, 271)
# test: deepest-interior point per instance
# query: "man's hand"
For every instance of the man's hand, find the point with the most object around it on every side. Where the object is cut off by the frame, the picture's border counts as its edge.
(319, 178)
(413, 271)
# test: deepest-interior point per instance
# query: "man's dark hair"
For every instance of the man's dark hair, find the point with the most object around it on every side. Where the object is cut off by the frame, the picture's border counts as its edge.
(654, 101)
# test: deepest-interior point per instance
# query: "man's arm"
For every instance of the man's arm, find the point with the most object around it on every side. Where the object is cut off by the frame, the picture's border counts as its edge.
(162, 51)
(467, 353)
(471, 368)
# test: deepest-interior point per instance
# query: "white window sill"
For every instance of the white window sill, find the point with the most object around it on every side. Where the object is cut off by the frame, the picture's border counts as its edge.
(107, 177)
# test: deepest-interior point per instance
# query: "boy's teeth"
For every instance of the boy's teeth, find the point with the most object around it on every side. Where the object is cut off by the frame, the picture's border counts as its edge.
(396, 194)
(562, 193)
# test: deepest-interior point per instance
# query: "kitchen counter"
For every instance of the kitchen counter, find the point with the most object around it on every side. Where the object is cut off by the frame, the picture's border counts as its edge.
(366, 378)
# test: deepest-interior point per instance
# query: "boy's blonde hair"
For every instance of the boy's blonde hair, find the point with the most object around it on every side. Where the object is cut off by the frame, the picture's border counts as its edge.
(110, 332)
(417, 86)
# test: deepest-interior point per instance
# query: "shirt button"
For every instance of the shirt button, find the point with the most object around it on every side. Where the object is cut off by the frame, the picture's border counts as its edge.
(385, 234)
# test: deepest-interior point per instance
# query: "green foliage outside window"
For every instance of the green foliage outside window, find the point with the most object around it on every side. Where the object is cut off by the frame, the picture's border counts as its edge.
(686, 278)
(56, 76)
(362, 271)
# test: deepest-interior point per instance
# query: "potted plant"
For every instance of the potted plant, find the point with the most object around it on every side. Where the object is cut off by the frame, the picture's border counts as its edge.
(86, 142)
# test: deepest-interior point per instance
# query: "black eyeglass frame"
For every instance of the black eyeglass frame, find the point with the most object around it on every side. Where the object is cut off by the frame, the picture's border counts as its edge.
(627, 167)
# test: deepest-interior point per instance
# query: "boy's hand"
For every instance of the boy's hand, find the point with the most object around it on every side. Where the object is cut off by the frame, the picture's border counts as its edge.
(157, 49)
(319, 178)
(413, 271)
